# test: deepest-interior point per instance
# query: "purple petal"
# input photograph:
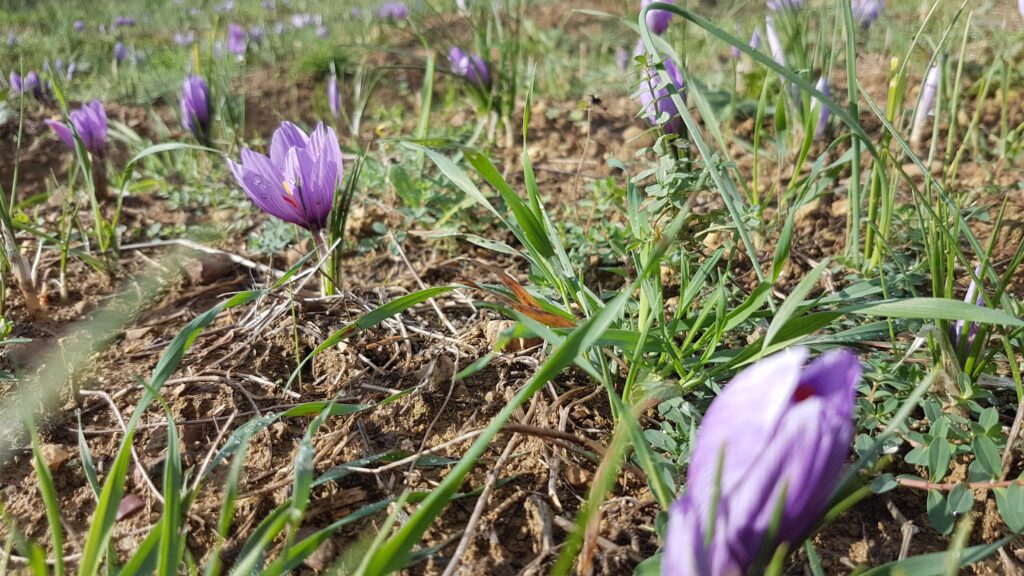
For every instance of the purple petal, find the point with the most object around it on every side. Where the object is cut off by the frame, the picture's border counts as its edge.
(287, 136)
(63, 132)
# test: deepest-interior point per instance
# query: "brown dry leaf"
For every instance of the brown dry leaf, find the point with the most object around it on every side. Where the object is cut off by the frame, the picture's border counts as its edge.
(524, 302)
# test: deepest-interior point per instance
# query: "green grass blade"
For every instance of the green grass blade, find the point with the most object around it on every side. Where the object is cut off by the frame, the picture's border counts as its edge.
(49, 494)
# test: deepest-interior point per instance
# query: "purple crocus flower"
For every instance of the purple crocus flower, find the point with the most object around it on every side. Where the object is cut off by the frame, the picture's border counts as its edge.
(185, 39)
(469, 66)
(296, 183)
(12, 39)
(90, 121)
(236, 39)
(333, 96)
(79, 25)
(393, 11)
(819, 130)
(657, 20)
(195, 107)
(301, 20)
(777, 5)
(124, 21)
(120, 52)
(785, 459)
(655, 99)
(16, 84)
(257, 33)
(924, 106)
(867, 11)
(755, 40)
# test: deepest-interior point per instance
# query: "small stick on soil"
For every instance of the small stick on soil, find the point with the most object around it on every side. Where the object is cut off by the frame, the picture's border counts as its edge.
(419, 282)
(1011, 439)
(141, 470)
(485, 496)
(201, 248)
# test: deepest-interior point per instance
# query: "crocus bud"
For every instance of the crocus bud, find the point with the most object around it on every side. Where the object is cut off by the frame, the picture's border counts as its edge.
(867, 11)
(333, 96)
(778, 5)
(775, 470)
(657, 20)
(924, 106)
(296, 183)
(963, 333)
(195, 108)
(236, 39)
(656, 101)
(469, 66)
(775, 45)
(825, 112)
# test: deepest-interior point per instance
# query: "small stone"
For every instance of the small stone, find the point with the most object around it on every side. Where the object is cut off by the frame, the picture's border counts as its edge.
(54, 455)
(578, 477)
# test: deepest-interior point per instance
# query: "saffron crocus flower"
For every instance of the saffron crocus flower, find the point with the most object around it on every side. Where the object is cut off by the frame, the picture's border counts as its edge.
(296, 183)
(15, 82)
(924, 106)
(655, 99)
(195, 108)
(825, 112)
(782, 463)
(393, 11)
(867, 11)
(469, 66)
(120, 52)
(90, 121)
(236, 39)
(333, 96)
(79, 25)
(657, 20)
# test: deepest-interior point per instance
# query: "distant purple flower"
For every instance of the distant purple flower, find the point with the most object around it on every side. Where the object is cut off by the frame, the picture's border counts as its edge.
(186, 39)
(226, 6)
(79, 25)
(120, 52)
(236, 39)
(657, 20)
(393, 11)
(777, 5)
(90, 121)
(257, 33)
(779, 468)
(12, 39)
(655, 100)
(322, 32)
(867, 11)
(124, 22)
(333, 96)
(819, 130)
(301, 20)
(469, 66)
(268, 5)
(623, 58)
(296, 183)
(924, 106)
(195, 107)
(16, 83)
(1021, 6)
